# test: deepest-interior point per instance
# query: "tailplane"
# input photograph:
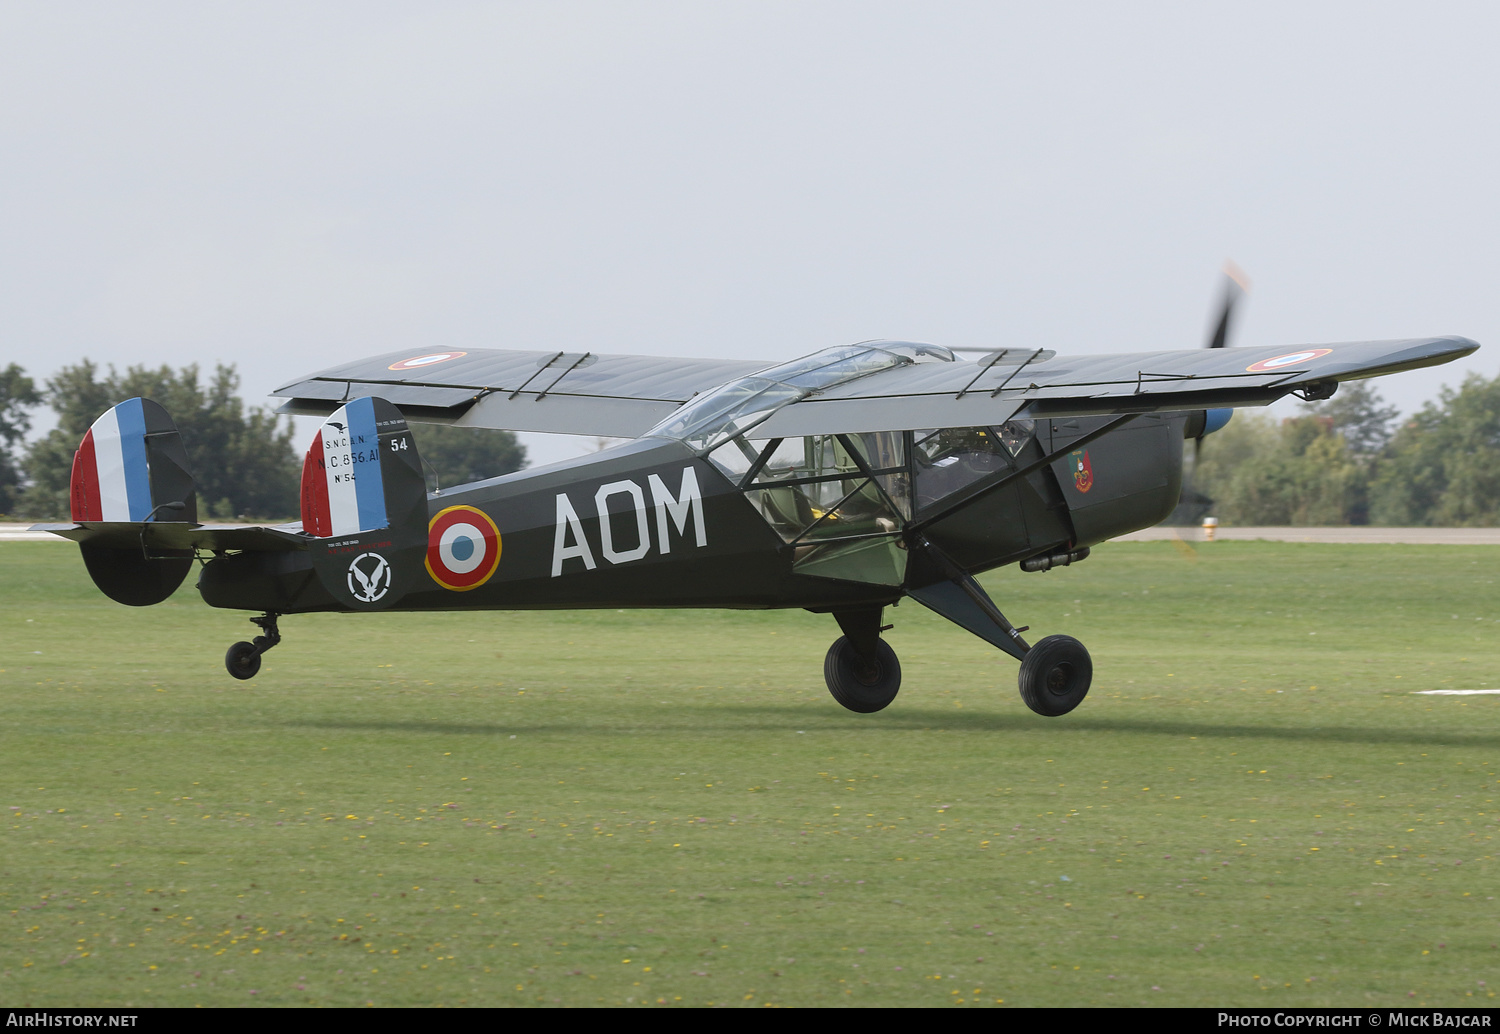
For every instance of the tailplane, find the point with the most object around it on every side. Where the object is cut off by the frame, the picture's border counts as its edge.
(364, 510)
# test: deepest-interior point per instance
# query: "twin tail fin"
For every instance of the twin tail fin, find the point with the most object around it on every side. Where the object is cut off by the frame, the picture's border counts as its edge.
(364, 500)
(132, 466)
(132, 469)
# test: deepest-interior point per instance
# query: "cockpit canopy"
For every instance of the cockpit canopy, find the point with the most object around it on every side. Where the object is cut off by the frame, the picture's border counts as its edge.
(840, 500)
(734, 408)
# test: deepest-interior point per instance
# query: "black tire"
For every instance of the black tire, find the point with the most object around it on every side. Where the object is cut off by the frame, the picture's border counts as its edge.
(1055, 675)
(859, 686)
(242, 661)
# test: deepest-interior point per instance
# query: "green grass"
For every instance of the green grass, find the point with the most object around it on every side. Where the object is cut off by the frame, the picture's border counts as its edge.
(1251, 808)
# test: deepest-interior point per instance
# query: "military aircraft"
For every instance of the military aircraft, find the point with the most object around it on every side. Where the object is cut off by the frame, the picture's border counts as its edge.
(839, 483)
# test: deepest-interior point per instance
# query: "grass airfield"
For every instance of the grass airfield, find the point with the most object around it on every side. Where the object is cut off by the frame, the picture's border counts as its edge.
(1252, 808)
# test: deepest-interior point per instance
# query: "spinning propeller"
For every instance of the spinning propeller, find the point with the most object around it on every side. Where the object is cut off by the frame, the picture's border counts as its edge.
(1235, 286)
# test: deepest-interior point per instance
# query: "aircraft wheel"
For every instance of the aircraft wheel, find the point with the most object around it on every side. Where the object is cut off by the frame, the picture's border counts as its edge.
(859, 686)
(1055, 675)
(242, 661)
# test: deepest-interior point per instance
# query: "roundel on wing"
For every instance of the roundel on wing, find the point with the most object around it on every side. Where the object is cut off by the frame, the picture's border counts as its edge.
(1290, 359)
(463, 548)
(416, 362)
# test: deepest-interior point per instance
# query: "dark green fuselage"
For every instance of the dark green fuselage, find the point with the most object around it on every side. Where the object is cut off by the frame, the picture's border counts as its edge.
(665, 549)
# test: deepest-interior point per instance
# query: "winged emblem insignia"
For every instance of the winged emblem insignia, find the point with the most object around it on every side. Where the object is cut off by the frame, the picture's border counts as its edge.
(369, 577)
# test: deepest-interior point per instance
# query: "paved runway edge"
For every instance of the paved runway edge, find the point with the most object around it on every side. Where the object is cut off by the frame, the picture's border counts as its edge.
(1344, 536)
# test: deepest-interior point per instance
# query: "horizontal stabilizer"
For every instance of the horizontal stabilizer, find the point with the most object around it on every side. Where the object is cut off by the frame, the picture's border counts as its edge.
(178, 535)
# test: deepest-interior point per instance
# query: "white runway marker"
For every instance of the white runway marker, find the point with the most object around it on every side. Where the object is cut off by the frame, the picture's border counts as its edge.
(1456, 692)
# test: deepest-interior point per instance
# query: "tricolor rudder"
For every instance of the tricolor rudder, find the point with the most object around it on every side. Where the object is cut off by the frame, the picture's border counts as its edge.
(130, 463)
(343, 492)
(364, 497)
(130, 468)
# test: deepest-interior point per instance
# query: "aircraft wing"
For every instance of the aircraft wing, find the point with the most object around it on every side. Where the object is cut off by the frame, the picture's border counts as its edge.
(616, 396)
(622, 396)
(1037, 383)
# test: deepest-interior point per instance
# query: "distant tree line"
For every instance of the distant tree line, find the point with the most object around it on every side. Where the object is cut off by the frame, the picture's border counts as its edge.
(244, 460)
(1350, 461)
(18, 395)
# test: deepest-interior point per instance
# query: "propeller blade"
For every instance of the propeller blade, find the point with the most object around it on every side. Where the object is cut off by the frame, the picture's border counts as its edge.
(1235, 286)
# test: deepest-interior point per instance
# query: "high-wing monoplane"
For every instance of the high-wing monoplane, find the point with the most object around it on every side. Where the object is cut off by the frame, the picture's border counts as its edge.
(839, 483)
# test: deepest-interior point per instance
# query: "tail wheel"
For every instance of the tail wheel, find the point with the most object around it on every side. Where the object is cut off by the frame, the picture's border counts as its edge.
(1055, 675)
(243, 660)
(857, 683)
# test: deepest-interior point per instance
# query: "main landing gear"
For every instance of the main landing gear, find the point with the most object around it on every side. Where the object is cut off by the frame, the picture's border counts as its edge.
(861, 668)
(864, 675)
(862, 672)
(1055, 675)
(243, 659)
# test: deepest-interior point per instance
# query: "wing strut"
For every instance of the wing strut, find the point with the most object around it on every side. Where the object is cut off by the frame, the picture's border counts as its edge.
(983, 369)
(1029, 360)
(576, 364)
(537, 374)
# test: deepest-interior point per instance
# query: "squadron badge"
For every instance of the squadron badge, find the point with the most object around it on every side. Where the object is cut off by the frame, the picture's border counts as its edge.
(1083, 472)
(369, 577)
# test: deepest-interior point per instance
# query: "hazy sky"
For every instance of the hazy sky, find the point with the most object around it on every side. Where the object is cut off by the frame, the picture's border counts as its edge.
(288, 186)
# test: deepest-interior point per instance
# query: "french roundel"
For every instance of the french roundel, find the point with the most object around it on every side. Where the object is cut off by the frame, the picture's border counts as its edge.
(416, 362)
(1290, 359)
(463, 548)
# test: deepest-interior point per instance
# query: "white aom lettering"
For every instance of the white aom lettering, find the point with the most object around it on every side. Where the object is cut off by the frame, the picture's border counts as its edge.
(606, 531)
(686, 505)
(567, 521)
(689, 499)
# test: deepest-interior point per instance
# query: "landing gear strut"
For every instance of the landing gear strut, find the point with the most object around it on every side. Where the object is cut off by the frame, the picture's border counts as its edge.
(1055, 673)
(243, 659)
(861, 668)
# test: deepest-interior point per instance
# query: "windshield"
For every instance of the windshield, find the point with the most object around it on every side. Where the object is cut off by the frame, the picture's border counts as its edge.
(734, 408)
